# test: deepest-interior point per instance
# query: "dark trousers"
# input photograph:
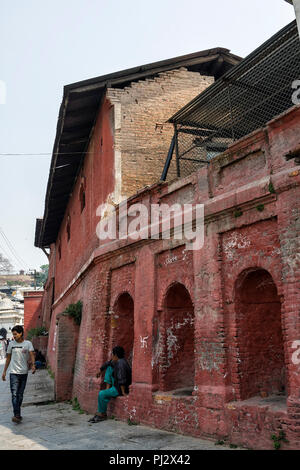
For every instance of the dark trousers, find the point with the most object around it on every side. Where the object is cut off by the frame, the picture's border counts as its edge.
(17, 387)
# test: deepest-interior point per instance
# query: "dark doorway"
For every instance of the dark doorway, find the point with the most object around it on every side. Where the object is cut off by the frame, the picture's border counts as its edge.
(260, 355)
(177, 364)
(122, 325)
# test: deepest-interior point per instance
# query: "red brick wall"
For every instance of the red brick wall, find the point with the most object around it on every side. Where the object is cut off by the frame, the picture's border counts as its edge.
(66, 349)
(97, 176)
(49, 287)
(253, 329)
(252, 226)
(122, 325)
(259, 335)
(127, 123)
(47, 302)
(32, 310)
(177, 361)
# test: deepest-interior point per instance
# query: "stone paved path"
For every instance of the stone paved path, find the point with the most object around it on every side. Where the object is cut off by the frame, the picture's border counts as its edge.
(57, 426)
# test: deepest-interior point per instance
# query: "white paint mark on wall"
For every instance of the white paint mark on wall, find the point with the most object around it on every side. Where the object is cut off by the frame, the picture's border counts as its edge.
(171, 260)
(172, 339)
(296, 354)
(132, 413)
(172, 345)
(236, 241)
(54, 339)
(184, 253)
(143, 340)
(275, 252)
(157, 352)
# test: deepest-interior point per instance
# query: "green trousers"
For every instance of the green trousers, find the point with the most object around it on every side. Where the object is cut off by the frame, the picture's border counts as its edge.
(105, 395)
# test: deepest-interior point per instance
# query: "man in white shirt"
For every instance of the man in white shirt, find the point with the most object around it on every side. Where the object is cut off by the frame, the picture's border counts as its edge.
(18, 353)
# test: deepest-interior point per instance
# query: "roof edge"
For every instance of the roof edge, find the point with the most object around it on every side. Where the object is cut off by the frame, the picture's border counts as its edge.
(98, 84)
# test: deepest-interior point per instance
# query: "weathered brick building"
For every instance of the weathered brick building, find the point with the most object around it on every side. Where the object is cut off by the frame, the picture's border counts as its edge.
(32, 309)
(211, 333)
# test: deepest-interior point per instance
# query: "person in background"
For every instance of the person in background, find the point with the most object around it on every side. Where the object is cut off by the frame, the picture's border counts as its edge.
(40, 360)
(2, 347)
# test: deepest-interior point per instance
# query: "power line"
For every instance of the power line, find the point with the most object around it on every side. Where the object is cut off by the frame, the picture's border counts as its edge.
(12, 249)
(15, 259)
(11, 261)
(23, 154)
(5, 252)
(41, 154)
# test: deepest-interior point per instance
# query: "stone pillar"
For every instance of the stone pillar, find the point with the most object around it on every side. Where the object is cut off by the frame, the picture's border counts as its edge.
(143, 323)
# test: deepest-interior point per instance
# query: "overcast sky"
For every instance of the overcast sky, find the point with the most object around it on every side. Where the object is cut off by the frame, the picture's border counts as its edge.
(45, 45)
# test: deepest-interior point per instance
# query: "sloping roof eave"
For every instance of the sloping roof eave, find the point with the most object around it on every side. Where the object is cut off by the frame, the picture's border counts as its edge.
(77, 115)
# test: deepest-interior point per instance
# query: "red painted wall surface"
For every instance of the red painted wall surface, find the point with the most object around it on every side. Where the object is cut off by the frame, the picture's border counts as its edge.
(237, 300)
(32, 310)
(97, 178)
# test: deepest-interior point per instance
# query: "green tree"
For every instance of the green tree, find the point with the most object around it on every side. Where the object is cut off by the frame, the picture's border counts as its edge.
(42, 275)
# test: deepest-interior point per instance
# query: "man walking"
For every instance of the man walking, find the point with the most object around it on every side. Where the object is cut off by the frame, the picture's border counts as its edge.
(117, 379)
(18, 353)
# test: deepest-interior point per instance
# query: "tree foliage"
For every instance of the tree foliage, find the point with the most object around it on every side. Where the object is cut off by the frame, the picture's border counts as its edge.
(5, 265)
(42, 275)
(40, 331)
(75, 311)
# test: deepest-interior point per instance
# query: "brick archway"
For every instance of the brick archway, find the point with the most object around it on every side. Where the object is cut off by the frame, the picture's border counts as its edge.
(177, 367)
(260, 349)
(122, 324)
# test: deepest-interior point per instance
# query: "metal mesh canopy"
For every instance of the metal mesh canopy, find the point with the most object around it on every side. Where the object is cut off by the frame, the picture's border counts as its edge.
(241, 101)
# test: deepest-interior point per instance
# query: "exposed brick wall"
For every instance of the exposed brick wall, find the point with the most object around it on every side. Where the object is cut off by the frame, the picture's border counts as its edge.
(177, 358)
(240, 423)
(67, 339)
(260, 342)
(142, 135)
(253, 320)
(173, 332)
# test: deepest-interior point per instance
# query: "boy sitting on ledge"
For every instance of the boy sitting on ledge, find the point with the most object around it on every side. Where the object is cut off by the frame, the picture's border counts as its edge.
(117, 379)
